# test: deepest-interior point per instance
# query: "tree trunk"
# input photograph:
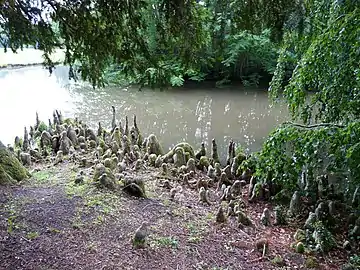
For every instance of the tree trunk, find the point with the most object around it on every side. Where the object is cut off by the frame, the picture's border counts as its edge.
(11, 170)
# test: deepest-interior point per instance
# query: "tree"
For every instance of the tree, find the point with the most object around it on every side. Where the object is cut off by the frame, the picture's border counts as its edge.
(95, 33)
(324, 86)
(154, 42)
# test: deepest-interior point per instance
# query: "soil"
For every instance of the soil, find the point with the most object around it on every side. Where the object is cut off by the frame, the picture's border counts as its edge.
(49, 222)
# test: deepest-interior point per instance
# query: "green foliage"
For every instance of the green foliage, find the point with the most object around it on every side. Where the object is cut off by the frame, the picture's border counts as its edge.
(10, 167)
(324, 149)
(323, 237)
(42, 127)
(32, 235)
(249, 163)
(318, 74)
(151, 42)
(248, 52)
(41, 176)
(168, 241)
(326, 81)
(96, 33)
(278, 260)
(355, 261)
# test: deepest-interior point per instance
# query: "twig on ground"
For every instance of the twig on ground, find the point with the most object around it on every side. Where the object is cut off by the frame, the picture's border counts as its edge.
(27, 240)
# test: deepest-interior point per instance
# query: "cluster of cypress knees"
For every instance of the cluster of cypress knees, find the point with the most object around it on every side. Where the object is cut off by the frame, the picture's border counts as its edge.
(122, 149)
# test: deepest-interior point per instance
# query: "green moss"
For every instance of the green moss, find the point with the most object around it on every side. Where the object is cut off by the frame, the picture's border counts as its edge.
(300, 247)
(32, 235)
(11, 168)
(69, 122)
(187, 148)
(102, 144)
(204, 162)
(169, 155)
(140, 140)
(21, 141)
(42, 127)
(5, 178)
(311, 263)
(99, 172)
(187, 156)
(278, 260)
(300, 235)
(167, 242)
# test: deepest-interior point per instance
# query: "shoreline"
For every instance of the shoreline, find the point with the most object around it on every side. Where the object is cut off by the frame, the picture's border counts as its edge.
(27, 57)
(17, 66)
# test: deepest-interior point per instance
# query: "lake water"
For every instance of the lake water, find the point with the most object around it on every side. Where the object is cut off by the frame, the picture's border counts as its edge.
(195, 113)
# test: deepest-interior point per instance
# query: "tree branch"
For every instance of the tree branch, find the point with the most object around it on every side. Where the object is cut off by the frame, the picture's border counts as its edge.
(315, 125)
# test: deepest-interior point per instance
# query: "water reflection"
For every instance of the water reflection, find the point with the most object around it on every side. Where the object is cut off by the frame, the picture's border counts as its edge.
(190, 114)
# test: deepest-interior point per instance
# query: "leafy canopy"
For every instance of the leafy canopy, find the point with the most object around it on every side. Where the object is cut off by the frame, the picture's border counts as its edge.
(153, 42)
(325, 83)
(96, 33)
(318, 75)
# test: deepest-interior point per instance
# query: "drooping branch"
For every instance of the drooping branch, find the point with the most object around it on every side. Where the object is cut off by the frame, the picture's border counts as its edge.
(320, 125)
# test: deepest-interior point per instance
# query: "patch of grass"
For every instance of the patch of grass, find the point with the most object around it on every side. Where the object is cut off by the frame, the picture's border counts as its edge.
(32, 235)
(94, 203)
(311, 263)
(11, 225)
(104, 203)
(167, 242)
(45, 178)
(72, 189)
(53, 230)
(77, 222)
(196, 232)
(99, 219)
(41, 176)
(278, 260)
(210, 216)
(13, 208)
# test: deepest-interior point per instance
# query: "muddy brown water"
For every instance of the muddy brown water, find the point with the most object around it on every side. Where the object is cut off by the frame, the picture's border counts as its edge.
(195, 113)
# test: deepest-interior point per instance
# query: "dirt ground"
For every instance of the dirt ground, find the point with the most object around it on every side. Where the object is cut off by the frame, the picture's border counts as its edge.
(49, 222)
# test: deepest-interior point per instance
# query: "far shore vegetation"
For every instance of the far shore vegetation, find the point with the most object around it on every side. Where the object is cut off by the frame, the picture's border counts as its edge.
(27, 56)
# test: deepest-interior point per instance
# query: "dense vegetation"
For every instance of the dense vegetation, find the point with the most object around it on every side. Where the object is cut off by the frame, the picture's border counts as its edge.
(153, 42)
(324, 87)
